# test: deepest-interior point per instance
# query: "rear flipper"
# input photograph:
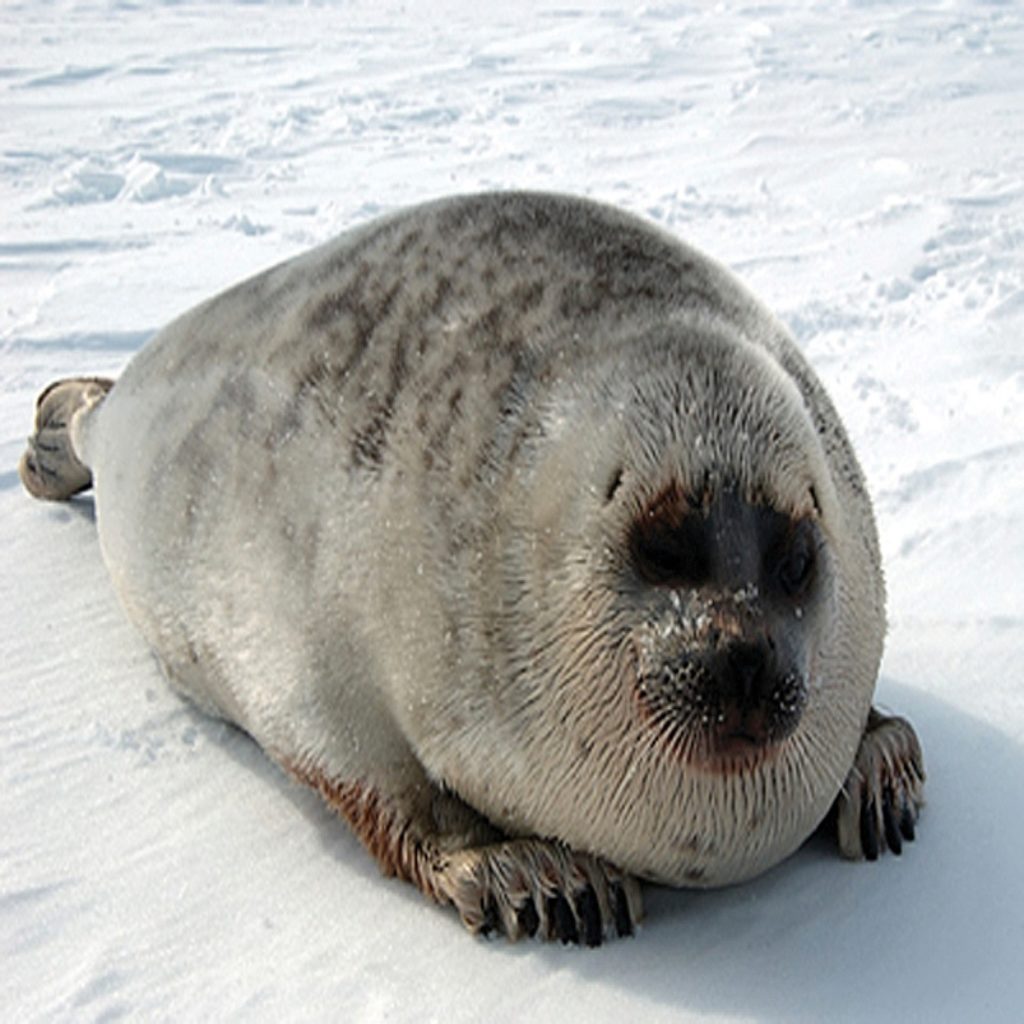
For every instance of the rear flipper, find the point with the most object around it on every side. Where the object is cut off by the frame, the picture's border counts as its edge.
(519, 887)
(52, 467)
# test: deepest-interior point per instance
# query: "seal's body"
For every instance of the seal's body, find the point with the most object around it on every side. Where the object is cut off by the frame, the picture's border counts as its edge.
(522, 532)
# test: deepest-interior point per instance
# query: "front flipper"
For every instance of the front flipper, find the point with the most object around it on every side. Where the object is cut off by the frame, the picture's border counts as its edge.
(520, 887)
(878, 806)
(538, 887)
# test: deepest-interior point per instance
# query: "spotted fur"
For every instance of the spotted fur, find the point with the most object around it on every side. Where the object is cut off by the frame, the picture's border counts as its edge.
(401, 509)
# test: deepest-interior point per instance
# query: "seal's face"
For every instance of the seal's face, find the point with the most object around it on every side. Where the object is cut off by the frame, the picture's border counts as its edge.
(724, 589)
(675, 675)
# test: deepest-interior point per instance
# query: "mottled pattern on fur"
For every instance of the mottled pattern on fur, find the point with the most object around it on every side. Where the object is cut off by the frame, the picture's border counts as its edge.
(375, 507)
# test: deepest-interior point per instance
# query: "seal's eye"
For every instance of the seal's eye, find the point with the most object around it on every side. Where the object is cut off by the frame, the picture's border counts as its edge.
(671, 553)
(795, 567)
(614, 483)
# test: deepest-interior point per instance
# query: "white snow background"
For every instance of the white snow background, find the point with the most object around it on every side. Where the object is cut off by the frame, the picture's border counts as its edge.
(859, 164)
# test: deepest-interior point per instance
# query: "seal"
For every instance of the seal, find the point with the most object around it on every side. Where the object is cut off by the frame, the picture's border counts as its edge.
(524, 534)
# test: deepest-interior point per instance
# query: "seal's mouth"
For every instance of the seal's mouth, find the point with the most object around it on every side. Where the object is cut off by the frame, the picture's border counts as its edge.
(739, 741)
(712, 723)
(740, 745)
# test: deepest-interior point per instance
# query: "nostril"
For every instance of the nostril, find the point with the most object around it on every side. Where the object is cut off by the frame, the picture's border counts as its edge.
(746, 667)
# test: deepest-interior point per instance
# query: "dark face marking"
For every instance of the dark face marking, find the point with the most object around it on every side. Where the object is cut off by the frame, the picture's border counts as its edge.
(681, 542)
(668, 544)
(723, 673)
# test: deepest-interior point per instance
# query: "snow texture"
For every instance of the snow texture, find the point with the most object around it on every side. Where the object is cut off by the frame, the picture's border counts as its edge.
(860, 164)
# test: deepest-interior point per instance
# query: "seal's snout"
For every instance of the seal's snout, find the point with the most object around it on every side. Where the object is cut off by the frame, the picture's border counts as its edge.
(742, 673)
(723, 662)
(759, 703)
(718, 679)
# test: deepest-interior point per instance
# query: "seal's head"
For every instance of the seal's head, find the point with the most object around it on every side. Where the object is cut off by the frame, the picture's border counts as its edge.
(686, 614)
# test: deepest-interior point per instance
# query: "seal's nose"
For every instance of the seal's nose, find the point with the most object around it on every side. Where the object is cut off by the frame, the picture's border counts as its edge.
(743, 673)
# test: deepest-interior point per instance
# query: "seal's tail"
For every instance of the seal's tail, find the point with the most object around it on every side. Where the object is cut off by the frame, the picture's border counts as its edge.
(54, 466)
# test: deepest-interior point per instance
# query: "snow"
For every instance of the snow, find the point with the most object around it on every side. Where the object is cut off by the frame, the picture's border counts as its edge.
(860, 164)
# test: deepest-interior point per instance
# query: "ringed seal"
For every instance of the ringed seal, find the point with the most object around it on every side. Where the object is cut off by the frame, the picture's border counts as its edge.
(525, 535)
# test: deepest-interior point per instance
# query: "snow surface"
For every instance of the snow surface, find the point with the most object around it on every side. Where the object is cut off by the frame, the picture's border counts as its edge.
(860, 164)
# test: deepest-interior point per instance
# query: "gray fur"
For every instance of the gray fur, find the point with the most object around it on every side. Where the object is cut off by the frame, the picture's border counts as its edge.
(372, 505)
